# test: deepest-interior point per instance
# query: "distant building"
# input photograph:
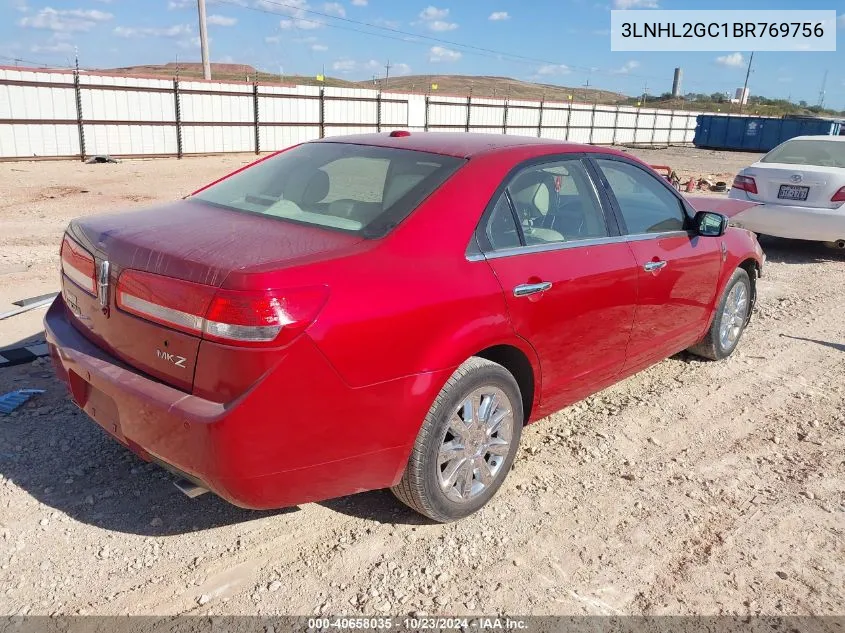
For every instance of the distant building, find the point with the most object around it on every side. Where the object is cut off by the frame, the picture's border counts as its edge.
(740, 96)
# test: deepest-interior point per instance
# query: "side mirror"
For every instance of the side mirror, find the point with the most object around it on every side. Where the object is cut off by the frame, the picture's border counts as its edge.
(710, 224)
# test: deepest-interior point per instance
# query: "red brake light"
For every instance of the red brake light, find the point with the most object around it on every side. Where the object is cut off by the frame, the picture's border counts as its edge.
(229, 316)
(78, 265)
(745, 183)
(178, 304)
(839, 196)
(400, 133)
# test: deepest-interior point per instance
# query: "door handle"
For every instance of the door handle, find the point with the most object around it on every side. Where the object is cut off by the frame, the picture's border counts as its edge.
(650, 267)
(523, 290)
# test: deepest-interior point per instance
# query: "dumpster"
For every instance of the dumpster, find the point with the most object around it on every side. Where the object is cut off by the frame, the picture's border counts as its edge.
(757, 134)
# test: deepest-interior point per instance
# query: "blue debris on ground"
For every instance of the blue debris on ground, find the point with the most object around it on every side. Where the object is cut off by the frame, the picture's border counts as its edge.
(12, 400)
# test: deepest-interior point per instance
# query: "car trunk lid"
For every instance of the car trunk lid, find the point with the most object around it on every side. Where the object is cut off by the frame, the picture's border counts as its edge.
(188, 241)
(795, 185)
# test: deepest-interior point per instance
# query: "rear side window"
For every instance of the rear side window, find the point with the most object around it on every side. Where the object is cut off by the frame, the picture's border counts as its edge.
(804, 152)
(553, 202)
(352, 188)
(647, 206)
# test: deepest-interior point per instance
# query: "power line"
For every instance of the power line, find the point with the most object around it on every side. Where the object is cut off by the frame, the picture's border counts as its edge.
(414, 38)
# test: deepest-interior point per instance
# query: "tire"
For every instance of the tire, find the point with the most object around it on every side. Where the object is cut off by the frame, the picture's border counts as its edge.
(730, 319)
(426, 485)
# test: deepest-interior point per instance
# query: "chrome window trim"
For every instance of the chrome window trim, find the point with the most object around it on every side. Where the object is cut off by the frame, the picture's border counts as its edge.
(559, 246)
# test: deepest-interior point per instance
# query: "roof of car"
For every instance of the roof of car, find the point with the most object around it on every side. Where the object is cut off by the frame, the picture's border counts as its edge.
(460, 144)
(818, 137)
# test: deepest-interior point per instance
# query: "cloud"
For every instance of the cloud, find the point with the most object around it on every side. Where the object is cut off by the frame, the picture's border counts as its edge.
(434, 19)
(191, 43)
(389, 24)
(734, 60)
(626, 67)
(20, 5)
(345, 66)
(433, 13)
(440, 25)
(334, 8)
(635, 4)
(55, 46)
(553, 69)
(296, 12)
(65, 19)
(177, 30)
(319, 48)
(442, 54)
(222, 20)
(497, 16)
(400, 69)
(174, 5)
(359, 3)
(272, 39)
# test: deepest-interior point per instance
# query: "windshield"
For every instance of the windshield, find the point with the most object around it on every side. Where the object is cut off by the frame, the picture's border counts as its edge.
(806, 152)
(353, 188)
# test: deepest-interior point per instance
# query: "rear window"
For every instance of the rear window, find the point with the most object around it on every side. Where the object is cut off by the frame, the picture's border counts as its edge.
(352, 188)
(807, 152)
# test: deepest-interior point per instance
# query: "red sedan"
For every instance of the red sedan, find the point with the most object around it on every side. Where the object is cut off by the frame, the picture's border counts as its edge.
(387, 310)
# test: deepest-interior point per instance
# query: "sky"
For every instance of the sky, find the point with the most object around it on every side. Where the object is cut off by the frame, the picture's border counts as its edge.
(564, 42)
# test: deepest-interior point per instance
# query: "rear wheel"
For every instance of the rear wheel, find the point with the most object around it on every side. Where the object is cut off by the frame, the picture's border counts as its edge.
(730, 319)
(466, 445)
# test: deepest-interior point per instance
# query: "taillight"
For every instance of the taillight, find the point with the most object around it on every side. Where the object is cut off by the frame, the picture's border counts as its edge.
(229, 316)
(745, 183)
(178, 304)
(78, 266)
(839, 196)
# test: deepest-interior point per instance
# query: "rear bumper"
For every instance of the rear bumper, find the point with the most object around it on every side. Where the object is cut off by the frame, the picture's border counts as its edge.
(799, 223)
(299, 435)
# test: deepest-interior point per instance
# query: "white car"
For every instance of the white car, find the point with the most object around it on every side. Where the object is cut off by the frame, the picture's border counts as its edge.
(800, 188)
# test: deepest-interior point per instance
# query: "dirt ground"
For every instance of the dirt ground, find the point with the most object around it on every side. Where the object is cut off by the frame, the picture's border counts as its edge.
(692, 488)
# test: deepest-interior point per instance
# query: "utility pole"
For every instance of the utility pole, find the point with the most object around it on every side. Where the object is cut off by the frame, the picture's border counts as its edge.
(386, 74)
(745, 86)
(822, 90)
(206, 64)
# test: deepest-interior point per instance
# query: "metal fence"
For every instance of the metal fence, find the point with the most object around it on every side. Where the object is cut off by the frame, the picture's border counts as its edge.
(69, 114)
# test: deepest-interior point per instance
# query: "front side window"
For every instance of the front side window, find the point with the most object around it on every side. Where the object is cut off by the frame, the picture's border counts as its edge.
(354, 188)
(554, 202)
(804, 152)
(647, 206)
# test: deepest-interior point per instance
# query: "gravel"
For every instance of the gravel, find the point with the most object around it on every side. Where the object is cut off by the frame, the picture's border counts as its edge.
(686, 489)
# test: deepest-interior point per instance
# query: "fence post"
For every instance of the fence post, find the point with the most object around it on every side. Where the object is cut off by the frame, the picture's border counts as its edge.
(615, 125)
(568, 121)
(505, 119)
(177, 102)
(322, 113)
(653, 129)
(80, 127)
(378, 112)
(592, 124)
(636, 126)
(469, 109)
(425, 121)
(255, 117)
(540, 122)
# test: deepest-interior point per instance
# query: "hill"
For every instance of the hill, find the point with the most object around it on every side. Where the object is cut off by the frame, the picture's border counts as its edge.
(479, 86)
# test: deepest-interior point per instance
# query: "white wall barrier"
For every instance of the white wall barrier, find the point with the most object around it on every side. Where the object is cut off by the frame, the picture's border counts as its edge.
(64, 114)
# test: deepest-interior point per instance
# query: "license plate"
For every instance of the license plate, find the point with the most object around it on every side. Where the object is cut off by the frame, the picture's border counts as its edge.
(793, 192)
